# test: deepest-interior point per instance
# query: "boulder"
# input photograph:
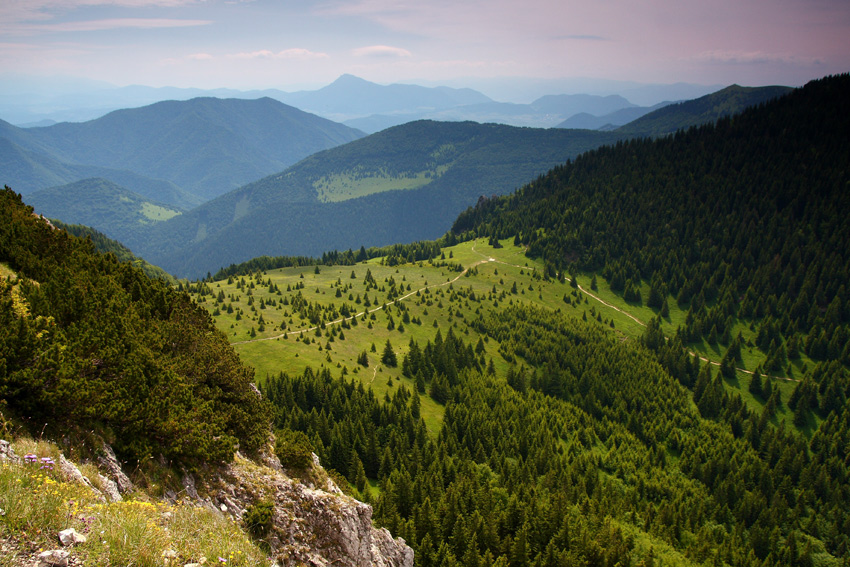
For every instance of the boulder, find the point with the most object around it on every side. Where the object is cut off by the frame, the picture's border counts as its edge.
(71, 537)
(53, 558)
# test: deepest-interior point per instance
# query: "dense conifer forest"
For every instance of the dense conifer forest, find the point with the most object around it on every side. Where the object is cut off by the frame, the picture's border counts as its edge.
(595, 456)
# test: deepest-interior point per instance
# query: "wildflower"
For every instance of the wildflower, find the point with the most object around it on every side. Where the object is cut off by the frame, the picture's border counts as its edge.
(222, 560)
(30, 458)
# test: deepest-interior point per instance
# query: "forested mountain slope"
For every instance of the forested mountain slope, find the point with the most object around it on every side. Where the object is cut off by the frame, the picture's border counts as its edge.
(119, 213)
(205, 146)
(104, 244)
(29, 171)
(703, 110)
(745, 219)
(400, 185)
(506, 419)
(91, 345)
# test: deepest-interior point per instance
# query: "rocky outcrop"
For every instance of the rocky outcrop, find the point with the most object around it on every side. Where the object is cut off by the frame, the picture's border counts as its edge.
(108, 462)
(313, 522)
(310, 526)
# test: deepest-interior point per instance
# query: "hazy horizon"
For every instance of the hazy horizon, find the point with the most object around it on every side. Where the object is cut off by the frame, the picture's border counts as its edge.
(263, 44)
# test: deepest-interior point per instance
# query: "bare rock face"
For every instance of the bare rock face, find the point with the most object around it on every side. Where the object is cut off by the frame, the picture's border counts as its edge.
(71, 473)
(109, 463)
(310, 526)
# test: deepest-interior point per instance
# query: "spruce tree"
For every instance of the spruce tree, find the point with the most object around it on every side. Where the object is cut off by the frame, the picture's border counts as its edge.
(389, 357)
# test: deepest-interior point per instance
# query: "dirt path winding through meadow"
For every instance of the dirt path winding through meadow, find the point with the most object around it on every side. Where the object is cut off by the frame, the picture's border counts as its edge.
(366, 312)
(488, 259)
(627, 314)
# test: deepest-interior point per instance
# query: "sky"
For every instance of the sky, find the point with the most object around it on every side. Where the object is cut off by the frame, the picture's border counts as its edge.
(291, 45)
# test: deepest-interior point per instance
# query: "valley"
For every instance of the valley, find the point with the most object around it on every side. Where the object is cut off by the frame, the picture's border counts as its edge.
(638, 357)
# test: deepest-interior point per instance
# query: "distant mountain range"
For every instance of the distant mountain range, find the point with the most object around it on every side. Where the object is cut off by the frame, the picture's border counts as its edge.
(610, 120)
(205, 146)
(358, 103)
(139, 175)
(351, 96)
(545, 112)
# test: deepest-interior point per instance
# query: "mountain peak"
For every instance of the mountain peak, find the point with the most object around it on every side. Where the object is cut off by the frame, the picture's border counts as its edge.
(350, 80)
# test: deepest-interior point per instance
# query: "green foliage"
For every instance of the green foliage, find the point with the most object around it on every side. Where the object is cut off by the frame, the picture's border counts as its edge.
(103, 348)
(393, 255)
(293, 449)
(106, 245)
(258, 518)
(593, 444)
(389, 356)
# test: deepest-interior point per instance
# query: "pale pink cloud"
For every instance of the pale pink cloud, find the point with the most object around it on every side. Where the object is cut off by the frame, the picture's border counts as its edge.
(114, 23)
(753, 57)
(293, 53)
(381, 51)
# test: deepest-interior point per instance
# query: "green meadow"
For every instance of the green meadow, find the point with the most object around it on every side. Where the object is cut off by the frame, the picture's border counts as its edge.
(330, 316)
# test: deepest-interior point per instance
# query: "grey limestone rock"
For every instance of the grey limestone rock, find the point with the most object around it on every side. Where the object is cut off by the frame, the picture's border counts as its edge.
(71, 537)
(109, 464)
(7, 453)
(53, 558)
(310, 526)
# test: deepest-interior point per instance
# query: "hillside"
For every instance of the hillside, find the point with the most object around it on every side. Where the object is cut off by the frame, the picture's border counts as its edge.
(96, 356)
(773, 174)
(189, 402)
(204, 146)
(528, 401)
(704, 110)
(400, 185)
(30, 171)
(104, 245)
(117, 212)
(610, 120)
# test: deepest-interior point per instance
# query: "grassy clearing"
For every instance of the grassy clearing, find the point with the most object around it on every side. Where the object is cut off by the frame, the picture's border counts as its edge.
(38, 504)
(155, 213)
(288, 319)
(350, 186)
